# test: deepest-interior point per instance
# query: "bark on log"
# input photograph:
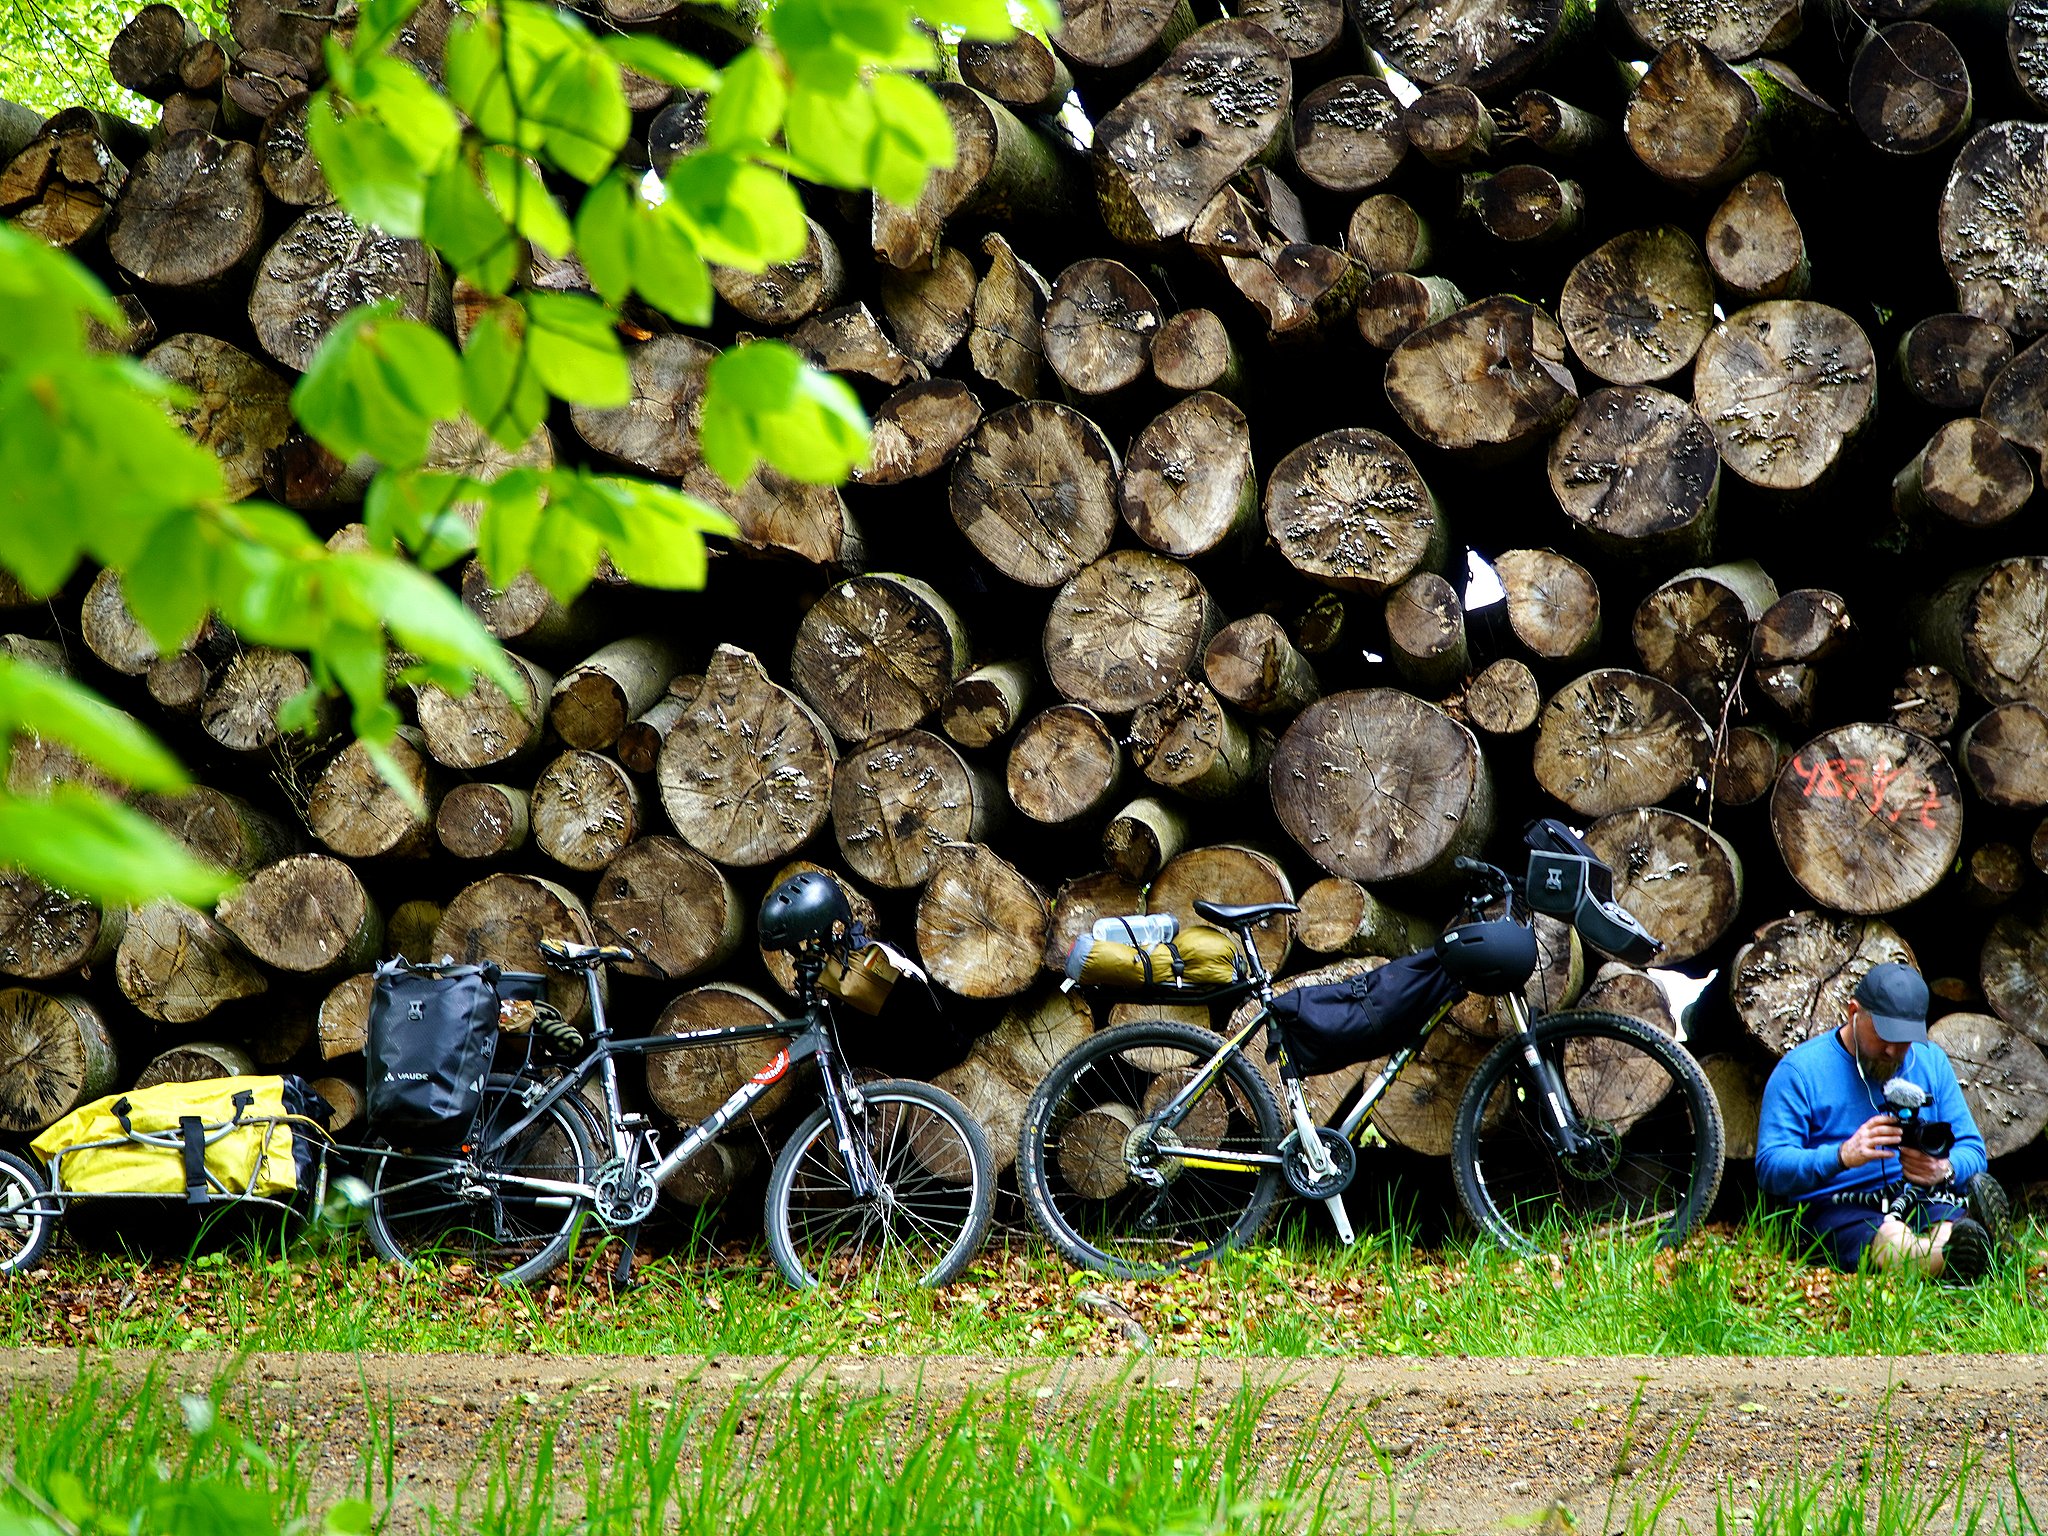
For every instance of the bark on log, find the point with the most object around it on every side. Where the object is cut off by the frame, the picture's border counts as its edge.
(1144, 837)
(1233, 874)
(1967, 475)
(1909, 89)
(1034, 490)
(1503, 700)
(988, 703)
(220, 828)
(482, 821)
(1399, 304)
(786, 292)
(1524, 204)
(240, 409)
(110, 631)
(746, 775)
(687, 1085)
(1640, 473)
(1746, 765)
(1682, 879)
(18, 125)
(1739, 1092)
(1098, 326)
(285, 160)
(2016, 402)
(1221, 102)
(585, 809)
(1698, 121)
(1002, 169)
(240, 710)
(55, 1055)
(356, 812)
(1808, 625)
(1253, 667)
(327, 264)
(899, 801)
(1004, 323)
(197, 1061)
(1341, 917)
(1695, 630)
(190, 213)
(1021, 72)
(47, 933)
(61, 187)
(1489, 45)
(2003, 1075)
(177, 965)
(1189, 743)
(1388, 235)
(598, 697)
(1188, 484)
(1755, 244)
(1064, 765)
(1078, 904)
(1991, 215)
(1984, 624)
(1350, 134)
(486, 726)
(931, 312)
(918, 430)
(1796, 976)
(1126, 629)
(1867, 817)
(850, 340)
(1949, 360)
(1377, 785)
(503, 918)
(308, 914)
(1785, 386)
(1302, 290)
(1733, 29)
(1637, 309)
(981, 926)
(1349, 509)
(145, 54)
(1426, 633)
(1556, 127)
(1553, 603)
(2005, 755)
(996, 1080)
(1491, 377)
(1449, 126)
(1613, 740)
(877, 655)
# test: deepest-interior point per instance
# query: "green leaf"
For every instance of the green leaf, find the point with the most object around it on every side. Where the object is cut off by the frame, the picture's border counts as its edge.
(659, 541)
(169, 588)
(512, 517)
(35, 699)
(741, 214)
(913, 137)
(749, 105)
(378, 385)
(416, 508)
(374, 177)
(350, 1517)
(464, 224)
(667, 269)
(989, 19)
(650, 56)
(832, 132)
(515, 184)
(378, 23)
(566, 546)
(762, 401)
(501, 392)
(604, 237)
(571, 344)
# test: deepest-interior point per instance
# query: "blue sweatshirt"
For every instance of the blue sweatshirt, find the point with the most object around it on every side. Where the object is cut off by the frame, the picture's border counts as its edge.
(1815, 1101)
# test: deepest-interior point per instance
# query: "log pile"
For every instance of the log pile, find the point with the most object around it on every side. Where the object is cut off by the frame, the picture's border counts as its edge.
(1309, 443)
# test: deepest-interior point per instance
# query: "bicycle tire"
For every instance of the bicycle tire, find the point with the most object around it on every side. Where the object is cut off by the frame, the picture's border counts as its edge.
(415, 1217)
(939, 1191)
(1111, 1221)
(27, 1222)
(1658, 1138)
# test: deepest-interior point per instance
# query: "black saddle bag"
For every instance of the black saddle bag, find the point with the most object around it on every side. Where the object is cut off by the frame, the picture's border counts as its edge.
(1341, 1023)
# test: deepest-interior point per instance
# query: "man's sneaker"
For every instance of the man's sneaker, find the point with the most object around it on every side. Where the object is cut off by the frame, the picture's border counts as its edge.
(1968, 1255)
(1984, 1198)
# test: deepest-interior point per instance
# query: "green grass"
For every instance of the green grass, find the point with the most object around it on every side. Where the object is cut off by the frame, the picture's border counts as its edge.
(1732, 1290)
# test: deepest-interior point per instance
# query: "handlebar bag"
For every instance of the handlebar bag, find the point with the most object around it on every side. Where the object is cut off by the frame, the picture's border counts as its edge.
(433, 1031)
(1341, 1023)
(1198, 959)
(220, 1138)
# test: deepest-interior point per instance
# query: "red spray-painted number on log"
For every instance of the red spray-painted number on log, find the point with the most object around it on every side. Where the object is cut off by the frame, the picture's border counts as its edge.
(1885, 790)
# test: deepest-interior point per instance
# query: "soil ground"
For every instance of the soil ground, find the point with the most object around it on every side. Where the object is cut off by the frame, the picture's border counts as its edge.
(1478, 1444)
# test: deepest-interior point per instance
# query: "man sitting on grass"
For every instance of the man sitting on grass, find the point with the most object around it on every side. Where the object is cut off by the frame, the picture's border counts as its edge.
(1829, 1141)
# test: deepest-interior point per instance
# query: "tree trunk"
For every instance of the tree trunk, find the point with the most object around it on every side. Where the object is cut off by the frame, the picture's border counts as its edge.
(1303, 290)
(1503, 700)
(1234, 875)
(308, 914)
(1991, 215)
(1733, 29)
(240, 409)
(503, 918)
(1808, 625)
(1639, 472)
(1488, 45)
(1795, 977)
(61, 187)
(1524, 204)
(2026, 49)
(190, 213)
(1377, 785)
(2005, 755)
(1420, 1107)
(1189, 486)
(1341, 917)
(483, 821)
(1193, 351)
(598, 697)
(746, 776)
(997, 1079)
(1098, 326)
(930, 312)
(344, 1100)
(1077, 906)
(988, 703)
(1426, 633)
(1695, 630)
(1555, 984)
(2003, 1075)
(1126, 629)
(46, 933)
(55, 1055)
(1949, 360)
(1449, 126)
(1189, 743)
(1967, 475)
(1098, 37)
(1909, 90)
(285, 160)
(1388, 235)
(1739, 1092)
(918, 430)
(240, 710)
(1399, 304)
(110, 631)
(1217, 105)
(850, 340)
(1064, 765)
(1746, 765)
(1491, 377)
(1143, 838)
(981, 926)
(1682, 879)
(877, 655)
(2017, 400)
(1005, 334)
(1350, 134)
(1254, 668)
(525, 614)
(176, 965)
(358, 814)
(324, 265)
(1034, 490)
(1613, 740)
(220, 828)
(1022, 72)
(1557, 128)
(1698, 121)
(1553, 603)
(674, 908)
(1308, 31)
(1349, 509)
(146, 53)
(658, 431)
(899, 800)
(485, 726)
(1867, 817)
(1637, 309)
(1785, 386)
(1755, 245)
(788, 291)
(1984, 625)
(585, 810)
(687, 1085)
(1002, 170)
(197, 1061)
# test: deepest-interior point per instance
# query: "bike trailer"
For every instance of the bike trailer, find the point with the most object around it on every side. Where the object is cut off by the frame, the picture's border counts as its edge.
(1341, 1023)
(1198, 959)
(222, 1138)
(433, 1032)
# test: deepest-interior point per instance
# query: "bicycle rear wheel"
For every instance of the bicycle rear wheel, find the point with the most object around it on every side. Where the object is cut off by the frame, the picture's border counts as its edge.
(27, 1216)
(1653, 1163)
(929, 1215)
(1090, 1134)
(485, 1203)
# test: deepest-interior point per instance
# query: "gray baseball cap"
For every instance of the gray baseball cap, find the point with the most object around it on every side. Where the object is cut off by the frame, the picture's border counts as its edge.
(1896, 996)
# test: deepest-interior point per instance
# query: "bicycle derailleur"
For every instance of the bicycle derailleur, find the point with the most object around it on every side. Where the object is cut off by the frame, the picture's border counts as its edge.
(625, 1193)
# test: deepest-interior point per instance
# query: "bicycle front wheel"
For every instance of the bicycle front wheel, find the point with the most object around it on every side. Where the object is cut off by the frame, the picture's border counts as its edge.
(1118, 1192)
(505, 1203)
(1651, 1160)
(934, 1196)
(28, 1217)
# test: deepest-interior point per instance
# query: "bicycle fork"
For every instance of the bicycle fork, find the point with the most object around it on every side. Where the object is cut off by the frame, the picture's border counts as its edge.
(1560, 1119)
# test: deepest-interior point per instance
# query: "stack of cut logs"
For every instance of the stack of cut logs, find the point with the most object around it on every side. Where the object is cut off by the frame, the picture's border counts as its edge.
(1308, 444)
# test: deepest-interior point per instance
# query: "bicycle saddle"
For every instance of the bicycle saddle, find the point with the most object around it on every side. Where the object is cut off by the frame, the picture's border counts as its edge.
(1216, 913)
(555, 952)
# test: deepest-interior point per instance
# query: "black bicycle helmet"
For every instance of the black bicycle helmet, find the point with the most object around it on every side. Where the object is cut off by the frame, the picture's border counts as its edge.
(805, 911)
(1493, 958)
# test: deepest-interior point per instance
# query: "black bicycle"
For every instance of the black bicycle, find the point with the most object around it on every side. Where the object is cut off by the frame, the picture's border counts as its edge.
(1158, 1144)
(894, 1177)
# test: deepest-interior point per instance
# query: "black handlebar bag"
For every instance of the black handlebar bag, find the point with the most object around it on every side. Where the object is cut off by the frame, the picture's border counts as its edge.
(433, 1031)
(1341, 1023)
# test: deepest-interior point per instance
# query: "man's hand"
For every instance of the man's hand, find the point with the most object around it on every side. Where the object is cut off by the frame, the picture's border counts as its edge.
(1874, 1138)
(1924, 1170)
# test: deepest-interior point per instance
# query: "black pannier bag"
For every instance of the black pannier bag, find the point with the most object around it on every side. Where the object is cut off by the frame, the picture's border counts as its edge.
(1341, 1023)
(433, 1030)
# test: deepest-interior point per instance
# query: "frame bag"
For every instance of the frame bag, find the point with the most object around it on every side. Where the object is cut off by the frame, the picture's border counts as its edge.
(1341, 1023)
(433, 1031)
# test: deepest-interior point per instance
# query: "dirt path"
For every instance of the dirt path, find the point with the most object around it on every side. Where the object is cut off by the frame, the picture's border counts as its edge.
(1480, 1445)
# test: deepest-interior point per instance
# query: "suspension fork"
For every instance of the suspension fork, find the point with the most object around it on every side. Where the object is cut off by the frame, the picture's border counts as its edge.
(1560, 1120)
(840, 1108)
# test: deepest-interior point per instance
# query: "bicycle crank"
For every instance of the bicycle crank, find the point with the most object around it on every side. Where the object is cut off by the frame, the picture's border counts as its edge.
(1305, 1179)
(625, 1194)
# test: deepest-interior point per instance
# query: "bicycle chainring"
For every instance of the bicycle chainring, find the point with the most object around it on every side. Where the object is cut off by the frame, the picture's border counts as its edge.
(625, 1194)
(1304, 1180)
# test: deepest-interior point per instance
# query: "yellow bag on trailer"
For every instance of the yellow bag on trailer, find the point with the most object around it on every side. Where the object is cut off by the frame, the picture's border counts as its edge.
(218, 1139)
